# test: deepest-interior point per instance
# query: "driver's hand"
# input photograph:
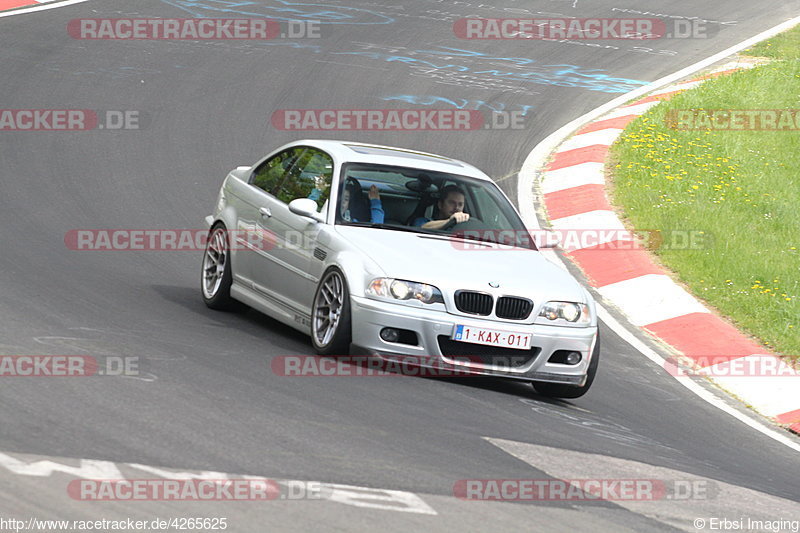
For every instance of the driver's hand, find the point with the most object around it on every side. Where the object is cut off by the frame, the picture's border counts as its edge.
(460, 217)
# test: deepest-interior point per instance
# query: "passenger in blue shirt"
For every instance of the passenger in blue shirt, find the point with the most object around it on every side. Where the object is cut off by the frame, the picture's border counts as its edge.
(376, 208)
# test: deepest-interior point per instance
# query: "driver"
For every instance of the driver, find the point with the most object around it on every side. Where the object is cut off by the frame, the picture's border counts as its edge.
(451, 207)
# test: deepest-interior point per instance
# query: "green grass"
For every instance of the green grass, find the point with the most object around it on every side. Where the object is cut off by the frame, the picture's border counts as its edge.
(783, 46)
(741, 188)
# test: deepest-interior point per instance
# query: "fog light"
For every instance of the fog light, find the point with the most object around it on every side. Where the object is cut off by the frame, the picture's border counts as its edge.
(565, 357)
(390, 334)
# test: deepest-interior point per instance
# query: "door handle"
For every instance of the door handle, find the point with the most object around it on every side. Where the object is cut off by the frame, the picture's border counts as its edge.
(265, 212)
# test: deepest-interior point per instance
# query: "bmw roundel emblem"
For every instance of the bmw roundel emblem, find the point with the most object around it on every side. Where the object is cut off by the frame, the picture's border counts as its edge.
(494, 284)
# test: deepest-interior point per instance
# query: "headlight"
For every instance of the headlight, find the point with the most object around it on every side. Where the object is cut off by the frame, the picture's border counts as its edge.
(574, 313)
(399, 289)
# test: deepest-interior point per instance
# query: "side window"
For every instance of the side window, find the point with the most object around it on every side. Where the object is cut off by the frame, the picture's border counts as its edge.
(299, 172)
(269, 175)
(309, 177)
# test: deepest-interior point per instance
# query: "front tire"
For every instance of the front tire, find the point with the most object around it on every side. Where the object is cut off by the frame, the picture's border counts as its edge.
(331, 328)
(557, 390)
(216, 277)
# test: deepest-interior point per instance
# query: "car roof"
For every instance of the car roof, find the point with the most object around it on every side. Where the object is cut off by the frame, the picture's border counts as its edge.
(347, 151)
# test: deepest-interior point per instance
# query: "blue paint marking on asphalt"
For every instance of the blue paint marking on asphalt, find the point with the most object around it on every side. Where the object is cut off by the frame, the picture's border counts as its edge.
(293, 44)
(401, 59)
(281, 10)
(458, 103)
(458, 66)
(561, 75)
(523, 61)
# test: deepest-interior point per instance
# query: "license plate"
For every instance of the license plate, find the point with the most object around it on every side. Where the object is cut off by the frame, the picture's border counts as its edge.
(492, 337)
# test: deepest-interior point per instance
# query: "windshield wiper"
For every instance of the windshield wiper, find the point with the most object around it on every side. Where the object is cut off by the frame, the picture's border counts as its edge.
(412, 229)
(439, 235)
(446, 237)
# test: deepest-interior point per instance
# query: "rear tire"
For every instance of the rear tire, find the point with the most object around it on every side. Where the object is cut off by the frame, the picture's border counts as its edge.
(557, 390)
(331, 328)
(216, 278)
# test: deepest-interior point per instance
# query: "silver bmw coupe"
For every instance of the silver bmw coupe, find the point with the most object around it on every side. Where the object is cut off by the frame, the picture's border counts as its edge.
(400, 255)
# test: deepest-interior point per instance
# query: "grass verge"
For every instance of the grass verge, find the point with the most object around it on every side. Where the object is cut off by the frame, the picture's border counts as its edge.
(740, 188)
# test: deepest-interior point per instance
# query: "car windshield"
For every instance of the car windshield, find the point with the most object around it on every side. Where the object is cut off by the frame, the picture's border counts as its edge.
(418, 200)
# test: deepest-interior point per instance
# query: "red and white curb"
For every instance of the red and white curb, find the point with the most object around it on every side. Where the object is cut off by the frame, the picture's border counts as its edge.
(11, 4)
(13, 7)
(572, 189)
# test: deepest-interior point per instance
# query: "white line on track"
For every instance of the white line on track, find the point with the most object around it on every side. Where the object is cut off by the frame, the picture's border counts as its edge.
(687, 382)
(363, 497)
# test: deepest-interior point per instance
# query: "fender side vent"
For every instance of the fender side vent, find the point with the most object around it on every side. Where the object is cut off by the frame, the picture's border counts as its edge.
(320, 254)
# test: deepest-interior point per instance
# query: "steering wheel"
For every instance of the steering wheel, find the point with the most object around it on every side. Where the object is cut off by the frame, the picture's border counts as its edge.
(450, 223)
(473, 223)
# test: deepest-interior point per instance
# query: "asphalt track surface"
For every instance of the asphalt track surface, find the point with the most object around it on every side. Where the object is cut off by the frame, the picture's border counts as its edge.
(209, 400)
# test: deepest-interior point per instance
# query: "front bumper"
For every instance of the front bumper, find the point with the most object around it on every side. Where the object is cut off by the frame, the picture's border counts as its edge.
(434, 329)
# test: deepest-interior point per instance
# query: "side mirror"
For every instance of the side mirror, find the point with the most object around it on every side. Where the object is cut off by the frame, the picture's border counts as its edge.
(306, 207)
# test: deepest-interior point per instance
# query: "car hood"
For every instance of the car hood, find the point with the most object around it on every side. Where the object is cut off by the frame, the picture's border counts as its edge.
(451, 263)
